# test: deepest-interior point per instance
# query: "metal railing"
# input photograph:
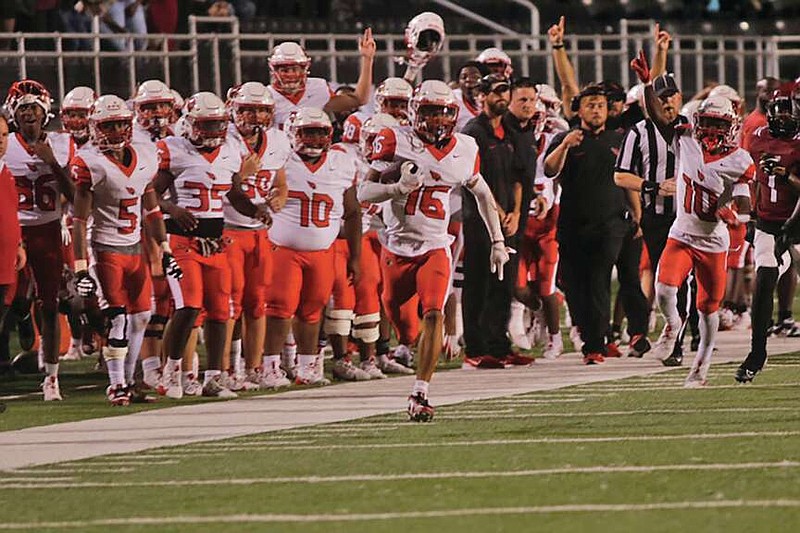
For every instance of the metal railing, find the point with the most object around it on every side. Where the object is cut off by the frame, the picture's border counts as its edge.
(203, 60)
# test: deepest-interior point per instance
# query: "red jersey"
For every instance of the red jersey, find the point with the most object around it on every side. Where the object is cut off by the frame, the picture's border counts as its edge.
(775, 198)
(752, 122)
(10, 233)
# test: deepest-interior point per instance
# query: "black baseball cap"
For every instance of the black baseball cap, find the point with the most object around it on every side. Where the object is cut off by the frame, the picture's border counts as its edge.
(665, 85)
(492, 82)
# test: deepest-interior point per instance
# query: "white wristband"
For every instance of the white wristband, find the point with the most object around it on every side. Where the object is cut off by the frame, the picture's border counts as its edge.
(166, 248)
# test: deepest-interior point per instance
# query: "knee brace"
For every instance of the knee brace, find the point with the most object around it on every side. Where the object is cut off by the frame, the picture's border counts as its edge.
(155, 327)
(117, 327)
(365, 327)
(111, 353)
(337, 322)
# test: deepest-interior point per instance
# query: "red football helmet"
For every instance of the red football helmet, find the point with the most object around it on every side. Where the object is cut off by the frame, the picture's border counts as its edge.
(110, 123)
(433, 111)
(310, 131)
(206, 120)
(780, 120)
(289, 67)
(26, 92)
(716, 123)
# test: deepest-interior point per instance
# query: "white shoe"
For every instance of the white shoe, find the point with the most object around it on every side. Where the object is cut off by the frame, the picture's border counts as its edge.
(390, 366)
(555, 347)
(743, 322)
(52, 392)
(171, 386)
(215, 388)
(695, 380)
(516, 327)
(308, 375)
(118, 395)
(575, 337)
(538, 333)
(666, 343)
(520, 340)
(274, 378)
(345, 370)
(75, 353)
(370, 367)
(289, 360)
(451, 347)
(151, 379)
(192, 386)
(237, 382)
(403, 355)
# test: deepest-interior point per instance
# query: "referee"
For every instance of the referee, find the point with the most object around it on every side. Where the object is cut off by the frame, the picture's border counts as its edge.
(647, 164)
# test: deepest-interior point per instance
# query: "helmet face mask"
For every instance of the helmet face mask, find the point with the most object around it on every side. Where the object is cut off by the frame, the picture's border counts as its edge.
(313, 141)
(250, 118)
(780, 120)
(716, 124)
(110, 124)
(22, 94)
(154, 115)
(397, 107)
(76, 122)
(206, 121)
(289, 67)
(435, 123)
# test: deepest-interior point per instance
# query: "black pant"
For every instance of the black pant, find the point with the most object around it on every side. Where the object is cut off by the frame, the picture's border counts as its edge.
(587, 257)
(485, 300)
(633, 299)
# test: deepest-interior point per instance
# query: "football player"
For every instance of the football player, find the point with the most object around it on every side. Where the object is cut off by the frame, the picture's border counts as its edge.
(415, 261)
(38, 160)
(113, 186)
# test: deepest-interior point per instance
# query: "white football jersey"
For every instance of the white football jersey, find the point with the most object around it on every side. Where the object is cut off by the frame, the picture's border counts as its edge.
(417, 222)
(312, 216)
(705, 184)
(274, 151)
(351, 129)
(116, 192)
(202, 179)
(142, 136)
(466, 111)
(543, 185)
(37, 187)
(316, 94)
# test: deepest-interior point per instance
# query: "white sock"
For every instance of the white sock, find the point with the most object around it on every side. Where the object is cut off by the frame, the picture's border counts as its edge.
(709, 324)
(306, 361)
(270, 362)
(173, 366)
(420, 387)
(555, 338)
(195, 364)
(237, 361)
(137, 325)
(516, 324)
(668, 303)
(51, 369)
(116, 371)
(151, 364)
(459, 316)
(209, 375)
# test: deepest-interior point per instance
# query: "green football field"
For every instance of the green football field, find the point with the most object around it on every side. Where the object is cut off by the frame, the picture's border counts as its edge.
(640, 454)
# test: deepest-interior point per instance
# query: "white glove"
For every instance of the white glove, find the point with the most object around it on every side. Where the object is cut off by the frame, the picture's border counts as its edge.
(498, 257)
(66, 234)
(410, 177)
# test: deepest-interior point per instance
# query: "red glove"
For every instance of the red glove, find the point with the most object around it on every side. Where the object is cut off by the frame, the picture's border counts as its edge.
(641, 68)
(728, 216)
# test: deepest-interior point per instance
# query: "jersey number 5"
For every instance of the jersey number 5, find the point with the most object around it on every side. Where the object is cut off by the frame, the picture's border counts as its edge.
(315, 210)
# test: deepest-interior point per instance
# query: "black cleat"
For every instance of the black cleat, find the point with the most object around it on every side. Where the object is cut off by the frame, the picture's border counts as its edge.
(744, 375)
(419, 410)
(27, 335)
(639, 346)
(676, 359)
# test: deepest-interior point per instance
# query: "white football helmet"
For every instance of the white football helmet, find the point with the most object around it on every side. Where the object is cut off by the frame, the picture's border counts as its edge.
(372, 127)
(424, 37)
(177, 106)
(289, 66)
(74, 112)
(496, 61)
(433, 111)
(251, 107)
(726, 91)
(26, 92)
(110, 123)
(206, 120)
(392, 97)
(310, 131)
(716, 123)
(550, 98)
(153, 105)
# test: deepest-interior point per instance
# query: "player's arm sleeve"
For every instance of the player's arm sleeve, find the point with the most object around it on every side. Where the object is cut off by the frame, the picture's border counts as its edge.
(487, 207)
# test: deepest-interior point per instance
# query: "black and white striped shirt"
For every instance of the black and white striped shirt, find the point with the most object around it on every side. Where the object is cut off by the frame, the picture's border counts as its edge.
(645, 153)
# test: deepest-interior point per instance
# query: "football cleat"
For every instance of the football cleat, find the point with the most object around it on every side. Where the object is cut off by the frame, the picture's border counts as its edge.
(403, 355)
(695, 380)
(482, 361)
(151, 379)
(451, 347)
(554, 348)
(310, 374)
(345, 370)
(75, 353)
(192, 386)
(274, 378)
(419, 410)
(665, 344)
(639, 346)
(171, 383)
(517, 359)
(387, 365)
(51, 390)
(118, 395)
(215, 388)
(727, 318)
(612, 350)
(745, 375)
(593, 359)
(370, 367)
(575, 338)
(675, 359)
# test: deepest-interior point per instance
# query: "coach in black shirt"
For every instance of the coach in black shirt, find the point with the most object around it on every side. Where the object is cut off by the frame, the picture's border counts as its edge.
(486, 301)
(593, 219)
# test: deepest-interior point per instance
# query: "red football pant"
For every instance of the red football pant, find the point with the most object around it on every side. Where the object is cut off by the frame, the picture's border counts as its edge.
(206, 282)
(538, 258)
(250, 259)
(124, 281)
(409, 282)
(45, 260)
(709, 269)
(303, 282)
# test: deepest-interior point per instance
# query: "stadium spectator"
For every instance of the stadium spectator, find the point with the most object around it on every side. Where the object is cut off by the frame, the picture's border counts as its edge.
(8, 21)
(486, 299)
(162, 16)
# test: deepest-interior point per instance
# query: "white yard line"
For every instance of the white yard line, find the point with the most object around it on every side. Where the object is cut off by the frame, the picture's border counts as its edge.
(492, 442)
(412, 515)
(467, 415)
(83, 470)
(314, 480)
